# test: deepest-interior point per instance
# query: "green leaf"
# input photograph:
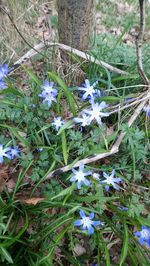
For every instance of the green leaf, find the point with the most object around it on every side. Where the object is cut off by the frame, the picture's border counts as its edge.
(65, 192)
(110, 99)
(14, 131)
(125, 244)
(6, 255)
(64, 147)
(15, 238)
(11, 91)
(33, 76)
(68, 94)
(65, 126)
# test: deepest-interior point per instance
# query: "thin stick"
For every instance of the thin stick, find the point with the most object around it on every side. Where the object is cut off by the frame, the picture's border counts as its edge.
(39, 47)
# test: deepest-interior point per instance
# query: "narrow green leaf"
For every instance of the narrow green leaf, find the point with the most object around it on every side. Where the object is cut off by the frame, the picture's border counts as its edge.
(32, 76)
(6, 255)
(64, 147)
(15, 131)
(65, 192)
(68, 124)
(11, 91)
(68, 94)
(125, 244)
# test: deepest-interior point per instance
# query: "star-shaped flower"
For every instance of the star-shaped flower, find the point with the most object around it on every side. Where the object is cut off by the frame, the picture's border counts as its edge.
(79, 176)
(14, 152)
(49, 93)
(58, 122)
(4, 70)
(48, 88)
(89, 91)
(147, 110)
(3, 153)
(84, 120)
(110, 180)
(49, 99)
(96, 113)
(86, 222)
(144, 235)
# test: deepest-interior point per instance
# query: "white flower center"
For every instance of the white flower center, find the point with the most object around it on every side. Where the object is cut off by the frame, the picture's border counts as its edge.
(90, 90)
(86, 221)
(80, 176)
(145, 234)
(2, 153)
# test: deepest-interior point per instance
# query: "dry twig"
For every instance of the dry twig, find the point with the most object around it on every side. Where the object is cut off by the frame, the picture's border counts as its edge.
(39, 47)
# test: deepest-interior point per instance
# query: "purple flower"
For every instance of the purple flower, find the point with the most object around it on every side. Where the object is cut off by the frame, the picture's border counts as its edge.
(58, 123)
(123, 208)
(3, 153)
(147, 110)
(84, 120)
(14, 152)
(110, 180)
(39, 149)
(48, 88)
(79, 176)
(143, 235)
(89, 91)
(4, 70)
(2, 85)
(86, 222)
(95, 113)
(49, 93)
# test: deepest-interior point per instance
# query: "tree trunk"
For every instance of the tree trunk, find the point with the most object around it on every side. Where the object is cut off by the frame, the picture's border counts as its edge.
(75, 21)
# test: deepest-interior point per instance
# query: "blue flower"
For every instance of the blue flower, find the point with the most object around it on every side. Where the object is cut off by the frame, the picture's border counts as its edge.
(84, 120)
(144, 235)
(88, 90)
(79, 176)
(123, 208)
(14, 152)
(39, 149)
(4, 70)
(2, 85)
(147, 110)
(3, 153)
(58, 123)
(48, 88)
(49, 93)
(110, 180)
(95, 113)
(86, 222)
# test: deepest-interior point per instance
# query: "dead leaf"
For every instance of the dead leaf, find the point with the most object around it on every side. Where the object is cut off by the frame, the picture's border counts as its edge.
(3, 176)
(32, 201)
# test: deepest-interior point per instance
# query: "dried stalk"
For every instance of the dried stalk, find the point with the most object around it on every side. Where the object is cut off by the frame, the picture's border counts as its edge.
(39, 47)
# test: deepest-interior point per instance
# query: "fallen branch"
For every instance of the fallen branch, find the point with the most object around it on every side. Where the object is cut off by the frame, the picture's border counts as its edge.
(39, 47)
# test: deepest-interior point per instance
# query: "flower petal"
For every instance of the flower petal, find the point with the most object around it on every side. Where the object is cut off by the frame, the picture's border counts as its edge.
(91, 216)
(78, 222)
(86, 182)
(90, 230)
(82, 214)
(96, 223)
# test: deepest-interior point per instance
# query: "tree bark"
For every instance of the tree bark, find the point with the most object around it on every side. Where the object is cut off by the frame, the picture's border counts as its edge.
(75, 21)
(75, 24)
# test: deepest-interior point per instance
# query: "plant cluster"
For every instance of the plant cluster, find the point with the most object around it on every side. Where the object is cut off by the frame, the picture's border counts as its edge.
(54, 127)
